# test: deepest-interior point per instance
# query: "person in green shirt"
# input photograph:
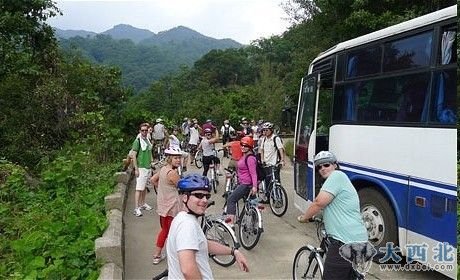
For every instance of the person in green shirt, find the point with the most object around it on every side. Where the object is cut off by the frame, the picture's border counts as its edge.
(341, 214)
(142, 159)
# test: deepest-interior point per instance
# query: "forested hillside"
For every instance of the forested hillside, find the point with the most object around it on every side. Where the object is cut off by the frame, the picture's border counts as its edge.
(66, 121)
(142, 56)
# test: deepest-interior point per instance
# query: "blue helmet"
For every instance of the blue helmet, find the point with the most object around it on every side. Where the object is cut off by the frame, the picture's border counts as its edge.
(193, 182)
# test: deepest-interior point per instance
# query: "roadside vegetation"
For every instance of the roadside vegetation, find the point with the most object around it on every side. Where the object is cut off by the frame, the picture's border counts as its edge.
(65, 123)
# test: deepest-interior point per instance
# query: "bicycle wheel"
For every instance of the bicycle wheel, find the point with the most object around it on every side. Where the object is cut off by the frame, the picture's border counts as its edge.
(161, 276)
(214, 184)
(278, 200)
(307, 265)
(218, 232)
(249, 229)
(199, 159)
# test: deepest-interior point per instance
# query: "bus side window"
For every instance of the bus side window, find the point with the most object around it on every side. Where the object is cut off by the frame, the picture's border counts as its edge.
(443, 104)
(382, 102)
(414, 99)
(409, 52)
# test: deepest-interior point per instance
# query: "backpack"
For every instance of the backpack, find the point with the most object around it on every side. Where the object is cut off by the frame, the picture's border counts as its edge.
(259, 167)
(227, 131)
(276, 148)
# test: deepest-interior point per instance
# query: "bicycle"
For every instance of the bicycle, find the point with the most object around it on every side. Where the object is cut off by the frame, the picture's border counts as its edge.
(249, 220)
(213, 179)
(198, 159)
(309, 260)
(159, 150)
(231, 180)
(277, 195)
(216, 229)
(162, 276)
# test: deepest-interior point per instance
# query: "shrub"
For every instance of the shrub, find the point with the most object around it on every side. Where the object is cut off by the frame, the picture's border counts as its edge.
(289, 148)
(48, 232)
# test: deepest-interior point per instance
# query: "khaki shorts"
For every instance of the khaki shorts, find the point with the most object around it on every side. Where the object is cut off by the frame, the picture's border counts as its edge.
(141, 181)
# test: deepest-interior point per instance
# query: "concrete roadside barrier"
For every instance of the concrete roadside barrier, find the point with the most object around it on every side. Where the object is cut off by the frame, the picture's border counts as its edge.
(110, 247)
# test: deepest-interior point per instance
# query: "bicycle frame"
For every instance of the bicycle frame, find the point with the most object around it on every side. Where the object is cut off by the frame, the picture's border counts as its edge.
(273, 180)
(230, 179)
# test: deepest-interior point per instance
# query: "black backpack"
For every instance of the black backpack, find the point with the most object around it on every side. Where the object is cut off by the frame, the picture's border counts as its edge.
(259, 167)
(227, 131)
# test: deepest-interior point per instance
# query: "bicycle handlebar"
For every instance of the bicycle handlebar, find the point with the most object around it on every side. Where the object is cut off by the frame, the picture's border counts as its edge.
(211, 203)
(317, 219)
(229, 170)
(277, 165)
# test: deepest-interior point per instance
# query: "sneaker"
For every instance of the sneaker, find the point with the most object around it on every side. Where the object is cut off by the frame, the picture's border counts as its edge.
(146, 207)
(137, 212)
(157, 259)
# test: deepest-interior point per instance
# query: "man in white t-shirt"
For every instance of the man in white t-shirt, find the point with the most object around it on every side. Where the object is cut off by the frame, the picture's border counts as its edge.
(159, 135)
(194, 131)
(187, 248)
(271, 152)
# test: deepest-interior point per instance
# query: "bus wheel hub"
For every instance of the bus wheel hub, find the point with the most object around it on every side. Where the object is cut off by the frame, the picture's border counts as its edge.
(373, 221)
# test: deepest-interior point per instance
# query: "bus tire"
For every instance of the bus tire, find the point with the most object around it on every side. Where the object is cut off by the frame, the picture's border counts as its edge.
(379, 218)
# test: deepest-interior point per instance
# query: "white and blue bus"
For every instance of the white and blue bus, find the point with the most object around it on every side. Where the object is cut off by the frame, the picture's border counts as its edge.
(385, 104)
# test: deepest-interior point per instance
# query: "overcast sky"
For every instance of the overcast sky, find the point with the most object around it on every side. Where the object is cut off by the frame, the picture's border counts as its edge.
(241, 20)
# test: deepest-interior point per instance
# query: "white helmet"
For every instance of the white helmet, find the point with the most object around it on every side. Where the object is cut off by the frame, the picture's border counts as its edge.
(173, 151)
(324, 157)
(267, 125)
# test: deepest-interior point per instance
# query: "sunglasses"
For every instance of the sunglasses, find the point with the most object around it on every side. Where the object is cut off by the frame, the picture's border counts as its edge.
(201, 195)
(144, 130)
(320, 166)
(245, 146)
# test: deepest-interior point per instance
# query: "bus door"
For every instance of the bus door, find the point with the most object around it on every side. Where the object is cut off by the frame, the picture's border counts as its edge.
(304, 145)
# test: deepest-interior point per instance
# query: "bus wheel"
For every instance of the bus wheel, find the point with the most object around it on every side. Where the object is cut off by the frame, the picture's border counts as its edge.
(379, 219)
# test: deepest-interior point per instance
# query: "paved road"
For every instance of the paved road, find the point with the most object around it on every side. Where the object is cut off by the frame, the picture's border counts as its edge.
(270, 259)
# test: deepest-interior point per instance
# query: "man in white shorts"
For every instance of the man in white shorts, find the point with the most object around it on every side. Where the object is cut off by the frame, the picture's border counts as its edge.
(142, 159)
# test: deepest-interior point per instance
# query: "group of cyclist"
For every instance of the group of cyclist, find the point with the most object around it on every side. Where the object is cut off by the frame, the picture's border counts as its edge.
(187, 248)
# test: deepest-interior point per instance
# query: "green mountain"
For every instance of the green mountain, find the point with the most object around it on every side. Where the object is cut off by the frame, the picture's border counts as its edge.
(142, 55)
(126, 31)
(66, 34)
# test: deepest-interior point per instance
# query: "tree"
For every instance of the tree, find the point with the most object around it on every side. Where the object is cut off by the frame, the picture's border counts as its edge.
(27, 44)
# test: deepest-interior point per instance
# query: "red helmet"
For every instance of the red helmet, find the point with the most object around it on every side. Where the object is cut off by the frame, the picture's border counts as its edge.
(248, 141)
